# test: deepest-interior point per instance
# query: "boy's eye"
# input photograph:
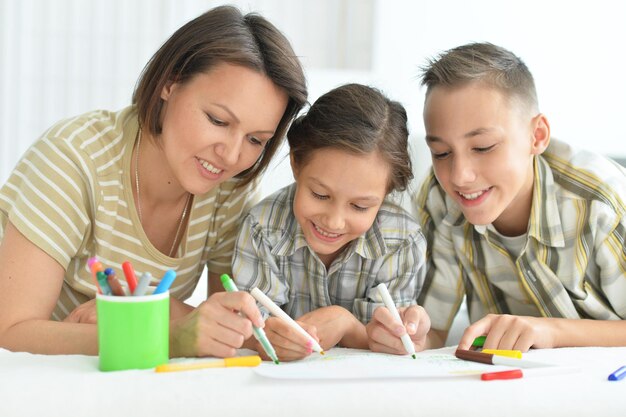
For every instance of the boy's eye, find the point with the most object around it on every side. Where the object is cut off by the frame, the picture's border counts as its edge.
(485, 149)
(359, 208)
(216, 121)
(319, 196)
(440, 155)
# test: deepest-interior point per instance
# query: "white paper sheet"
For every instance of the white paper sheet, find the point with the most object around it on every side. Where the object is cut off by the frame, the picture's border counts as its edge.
(359, 364)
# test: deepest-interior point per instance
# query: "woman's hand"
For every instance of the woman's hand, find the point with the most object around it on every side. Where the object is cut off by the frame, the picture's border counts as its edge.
(384, 331)
(215, 328)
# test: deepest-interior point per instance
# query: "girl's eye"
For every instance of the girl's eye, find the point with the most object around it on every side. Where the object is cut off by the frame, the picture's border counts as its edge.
(319, 196)
(216, 122)
(359, 208)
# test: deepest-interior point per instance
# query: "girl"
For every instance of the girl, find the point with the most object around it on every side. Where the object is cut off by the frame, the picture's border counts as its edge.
(320, 246)
(161, 183)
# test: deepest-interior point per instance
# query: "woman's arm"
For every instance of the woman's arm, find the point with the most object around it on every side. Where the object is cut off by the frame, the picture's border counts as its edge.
(30, 283)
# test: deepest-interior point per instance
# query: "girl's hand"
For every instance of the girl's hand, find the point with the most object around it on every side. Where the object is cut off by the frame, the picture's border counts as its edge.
(84, 313)
(511, 332)
(288, 343)
(215, 328)
(336, 325)
(384, 331)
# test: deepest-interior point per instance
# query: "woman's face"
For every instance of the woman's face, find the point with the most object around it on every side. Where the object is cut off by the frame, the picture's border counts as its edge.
(216, 124)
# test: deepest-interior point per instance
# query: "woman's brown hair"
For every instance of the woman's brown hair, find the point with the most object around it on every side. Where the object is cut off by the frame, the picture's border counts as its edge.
(223, 35)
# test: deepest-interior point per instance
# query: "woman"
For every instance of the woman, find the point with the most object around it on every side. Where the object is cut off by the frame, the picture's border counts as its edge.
(161, 183)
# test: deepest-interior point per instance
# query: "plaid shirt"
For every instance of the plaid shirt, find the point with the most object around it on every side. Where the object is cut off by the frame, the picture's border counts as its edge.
(572, 266)
(272, 254)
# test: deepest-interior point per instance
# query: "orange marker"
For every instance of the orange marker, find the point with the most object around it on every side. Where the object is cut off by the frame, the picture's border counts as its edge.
(129, 273)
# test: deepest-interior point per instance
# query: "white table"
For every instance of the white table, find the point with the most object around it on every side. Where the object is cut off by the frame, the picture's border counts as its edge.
(48, 386)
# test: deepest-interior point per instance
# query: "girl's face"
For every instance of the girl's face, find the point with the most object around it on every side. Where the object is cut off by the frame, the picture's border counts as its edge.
(216, 124)
(338, 195)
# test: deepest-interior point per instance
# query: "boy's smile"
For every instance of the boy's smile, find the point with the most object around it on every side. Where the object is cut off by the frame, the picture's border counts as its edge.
(482, 144)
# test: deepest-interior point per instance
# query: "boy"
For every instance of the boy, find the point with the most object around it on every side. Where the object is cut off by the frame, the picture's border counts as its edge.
(529, 230)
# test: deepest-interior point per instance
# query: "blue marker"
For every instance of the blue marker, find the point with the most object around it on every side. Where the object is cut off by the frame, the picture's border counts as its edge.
(618, 375)
(166, 281)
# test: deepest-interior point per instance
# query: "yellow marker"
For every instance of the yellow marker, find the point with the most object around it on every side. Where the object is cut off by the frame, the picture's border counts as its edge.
(249, 361)
(500, 352)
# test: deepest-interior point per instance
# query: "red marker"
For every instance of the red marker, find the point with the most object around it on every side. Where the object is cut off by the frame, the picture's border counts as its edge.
(492, 376)
(129, 273)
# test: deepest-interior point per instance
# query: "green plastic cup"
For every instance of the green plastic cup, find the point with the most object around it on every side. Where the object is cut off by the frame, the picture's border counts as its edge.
(133, 332)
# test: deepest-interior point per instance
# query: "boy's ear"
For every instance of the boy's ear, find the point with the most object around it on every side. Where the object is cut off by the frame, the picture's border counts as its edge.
(540, 134)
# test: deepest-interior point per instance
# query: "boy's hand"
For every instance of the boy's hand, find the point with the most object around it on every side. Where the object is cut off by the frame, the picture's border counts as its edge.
(336, 325)
(504, 331)
(384, 331)
(215, 328)
(288, 343)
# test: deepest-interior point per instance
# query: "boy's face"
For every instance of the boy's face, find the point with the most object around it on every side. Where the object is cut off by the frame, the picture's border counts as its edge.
(338, 195)
(482, 145)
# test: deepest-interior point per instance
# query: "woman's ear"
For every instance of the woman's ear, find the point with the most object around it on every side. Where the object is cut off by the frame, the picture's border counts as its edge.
(167, 90)
(540, 134)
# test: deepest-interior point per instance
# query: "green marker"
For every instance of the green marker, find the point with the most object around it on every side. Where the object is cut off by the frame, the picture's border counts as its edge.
(259, 334)
(479, 341)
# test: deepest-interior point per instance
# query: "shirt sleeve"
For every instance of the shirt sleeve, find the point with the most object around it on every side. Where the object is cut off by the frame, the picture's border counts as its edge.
(254, 266)
(610, 285)
(232, 204)
(443, 290)
(402, 271)
(47, 198)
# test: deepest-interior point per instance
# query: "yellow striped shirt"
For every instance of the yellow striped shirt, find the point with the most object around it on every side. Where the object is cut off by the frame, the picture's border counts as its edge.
(273, 255)
(573, 264)
(71, 195)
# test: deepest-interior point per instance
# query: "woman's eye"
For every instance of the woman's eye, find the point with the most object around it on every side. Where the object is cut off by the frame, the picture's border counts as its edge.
(359, 208)
(216, 121)
(441, 155)
(255, 141)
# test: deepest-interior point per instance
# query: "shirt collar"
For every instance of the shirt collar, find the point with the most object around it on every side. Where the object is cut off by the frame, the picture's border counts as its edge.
(545, 219)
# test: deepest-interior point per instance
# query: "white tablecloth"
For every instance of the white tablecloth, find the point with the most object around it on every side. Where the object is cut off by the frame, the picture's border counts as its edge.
(48, 386)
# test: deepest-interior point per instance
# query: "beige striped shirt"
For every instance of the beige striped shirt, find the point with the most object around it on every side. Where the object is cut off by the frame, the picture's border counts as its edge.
(573, 264)
(71, 195)
(273, 255)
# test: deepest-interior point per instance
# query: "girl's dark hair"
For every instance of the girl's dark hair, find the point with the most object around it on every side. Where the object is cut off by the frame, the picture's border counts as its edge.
(223, 35)
(357, 119)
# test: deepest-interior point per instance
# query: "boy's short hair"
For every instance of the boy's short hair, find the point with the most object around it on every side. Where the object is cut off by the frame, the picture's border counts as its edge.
(486, 63)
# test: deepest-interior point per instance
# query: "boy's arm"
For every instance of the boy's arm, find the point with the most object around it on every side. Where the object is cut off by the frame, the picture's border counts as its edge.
(504, 331)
